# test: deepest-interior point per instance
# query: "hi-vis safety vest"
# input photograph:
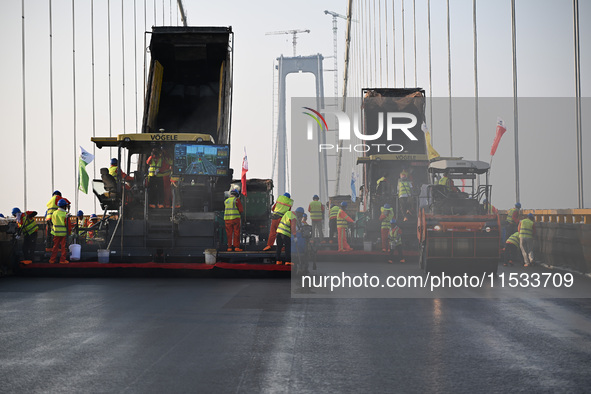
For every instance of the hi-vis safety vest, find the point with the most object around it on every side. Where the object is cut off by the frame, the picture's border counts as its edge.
(395, 236)
(231, 212)
(526, 229)
(389, 212)
(404, 189)
(445, 181)
(334, 211)
(342, 218)
(29, 225)
(285, 223)
(514, 239)
(316, 210)
(283, 205)
(510, 215)
(155, 164)
(113, 171)
(59, 228)
(51, 207)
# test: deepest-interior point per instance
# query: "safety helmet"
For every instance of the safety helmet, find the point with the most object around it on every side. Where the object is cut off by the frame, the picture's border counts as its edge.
(114, 161)
(80, 213)
(234, 192)
(387, 206)
(315, 197)
(15, 211)
(57, 193)
(393, 221)
(484, 201)
(530, 216)
(62, 203)
(299, 210)
(517, 205)
(403, 176)
(344, 204)
(1, 216)
(287, 195)
(93, 216)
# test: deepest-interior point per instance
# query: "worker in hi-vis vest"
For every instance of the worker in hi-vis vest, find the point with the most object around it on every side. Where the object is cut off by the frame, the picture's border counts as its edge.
(512, 220)
(27, 228)
(155, 179)
(332, 220)
(285, 232)
(395, 237)
(59, 231)
(527, 231)
(512, 249)
(283, 205)
(51, 208)
(387, 214)
(342, 219)
(316, 209)
(233, 210)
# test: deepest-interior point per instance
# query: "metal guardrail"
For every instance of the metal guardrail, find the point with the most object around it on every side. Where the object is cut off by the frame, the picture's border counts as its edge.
(582, 216)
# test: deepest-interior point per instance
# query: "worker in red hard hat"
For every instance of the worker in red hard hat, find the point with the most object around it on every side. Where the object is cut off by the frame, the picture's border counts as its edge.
(51, 208)
(59, 231)
(233, 210)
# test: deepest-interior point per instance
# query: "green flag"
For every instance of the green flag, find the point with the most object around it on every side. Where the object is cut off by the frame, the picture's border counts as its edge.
(85, 158)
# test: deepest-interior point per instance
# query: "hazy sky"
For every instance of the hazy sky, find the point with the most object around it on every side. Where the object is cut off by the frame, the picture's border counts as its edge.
(545, 69)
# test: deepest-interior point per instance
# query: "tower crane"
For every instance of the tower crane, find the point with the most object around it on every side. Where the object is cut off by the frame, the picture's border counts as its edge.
(334, 32)
(294, 33)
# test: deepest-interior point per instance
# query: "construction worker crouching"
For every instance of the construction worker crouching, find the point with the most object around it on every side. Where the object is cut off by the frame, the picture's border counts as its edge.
(287, 227)
(29, 228)
(395, 237)
(342, 219)
(281, 206)
(387, 214)
(60, 232)
(512, 248)
(90, 224)
(316, 209)
(233, 210)
(527, 231)
(512, 220)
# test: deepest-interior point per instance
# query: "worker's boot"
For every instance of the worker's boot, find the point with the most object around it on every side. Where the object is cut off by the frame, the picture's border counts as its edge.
(279, 262)
(237, 250)
(288, 263)
(266, 248)
(403, 261)
(26, 261)
(229, 249)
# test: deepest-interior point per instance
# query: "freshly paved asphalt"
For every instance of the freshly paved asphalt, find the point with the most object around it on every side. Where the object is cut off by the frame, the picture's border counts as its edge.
(245, 335)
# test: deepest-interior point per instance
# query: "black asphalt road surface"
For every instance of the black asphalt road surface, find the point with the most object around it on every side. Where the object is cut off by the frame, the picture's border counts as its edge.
(244, 335)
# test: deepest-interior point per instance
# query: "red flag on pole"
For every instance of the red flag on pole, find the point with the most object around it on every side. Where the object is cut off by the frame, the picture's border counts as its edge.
(501, 129)
(244, 170)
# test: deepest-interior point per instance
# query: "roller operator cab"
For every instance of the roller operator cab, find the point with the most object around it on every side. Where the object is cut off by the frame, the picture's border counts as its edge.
(455, 230)
(166, 212)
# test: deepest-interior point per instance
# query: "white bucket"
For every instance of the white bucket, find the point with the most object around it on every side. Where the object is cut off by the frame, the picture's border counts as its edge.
(210, 256)
(103, 255)
(75, 252)
(367, 246)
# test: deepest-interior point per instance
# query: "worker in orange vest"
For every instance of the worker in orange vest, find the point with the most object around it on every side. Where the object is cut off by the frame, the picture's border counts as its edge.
(233, 210)
(342, 219)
